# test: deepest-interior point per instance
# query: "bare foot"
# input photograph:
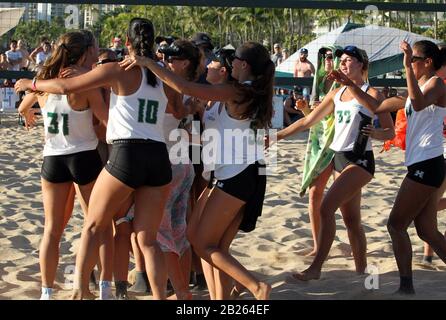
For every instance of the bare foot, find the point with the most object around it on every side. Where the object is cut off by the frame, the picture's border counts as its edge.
(172, 297)
(263, 291)
(79, 295)
(184, 295)
(236, 292)
(312, 253)
(307, 275)
(306, 252)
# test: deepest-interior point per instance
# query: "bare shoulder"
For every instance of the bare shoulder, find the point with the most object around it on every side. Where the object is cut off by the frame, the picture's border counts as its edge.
(332, 93)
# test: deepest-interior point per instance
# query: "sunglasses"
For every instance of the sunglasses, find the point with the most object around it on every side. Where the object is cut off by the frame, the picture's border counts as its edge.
(104, 61)
(171, 59)
(238, 58)
(329, 56)
(416, 58)
(225, 57)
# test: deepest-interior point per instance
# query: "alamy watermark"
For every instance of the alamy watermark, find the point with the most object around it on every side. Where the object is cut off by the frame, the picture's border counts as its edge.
(72, 18)
(371, 282)
(230, 147)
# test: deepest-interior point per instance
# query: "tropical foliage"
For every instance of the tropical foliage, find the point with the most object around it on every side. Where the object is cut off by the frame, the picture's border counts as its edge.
(291, 27)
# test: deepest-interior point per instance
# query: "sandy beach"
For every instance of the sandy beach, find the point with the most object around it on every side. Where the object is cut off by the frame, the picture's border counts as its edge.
(273, 250)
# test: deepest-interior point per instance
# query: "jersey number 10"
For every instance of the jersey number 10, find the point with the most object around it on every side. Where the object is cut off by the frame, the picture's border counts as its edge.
(148, 110)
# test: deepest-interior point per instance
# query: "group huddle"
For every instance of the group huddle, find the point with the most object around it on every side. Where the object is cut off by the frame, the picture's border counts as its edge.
(109, 133)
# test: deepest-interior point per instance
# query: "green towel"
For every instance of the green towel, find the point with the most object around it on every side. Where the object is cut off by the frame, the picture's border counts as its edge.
(318, 155)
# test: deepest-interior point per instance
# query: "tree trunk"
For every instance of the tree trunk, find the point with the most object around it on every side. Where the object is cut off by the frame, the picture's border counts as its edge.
(435, 25)
(291, 28)
(409, 22)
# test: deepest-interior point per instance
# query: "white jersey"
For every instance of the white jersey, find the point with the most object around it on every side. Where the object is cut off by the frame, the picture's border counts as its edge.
(347, 119)
(139, 115)
(67, 131)
(210, 122)
(236, 146)
(424, 133)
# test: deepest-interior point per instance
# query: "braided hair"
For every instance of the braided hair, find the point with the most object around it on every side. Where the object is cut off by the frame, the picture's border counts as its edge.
(141, 35)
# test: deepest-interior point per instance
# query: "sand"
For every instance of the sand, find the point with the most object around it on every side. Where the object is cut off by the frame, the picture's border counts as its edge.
(272, 251)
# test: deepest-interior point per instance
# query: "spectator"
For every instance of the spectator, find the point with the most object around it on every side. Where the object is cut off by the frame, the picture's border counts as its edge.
(25, 54)
(277, 56)
(293, 105)
(284, 54)
(40, 54)
(118, 48)
(14, 56)
(304, 69)
(4, 64)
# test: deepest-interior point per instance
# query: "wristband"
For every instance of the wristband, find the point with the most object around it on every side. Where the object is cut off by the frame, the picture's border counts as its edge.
(33, 84)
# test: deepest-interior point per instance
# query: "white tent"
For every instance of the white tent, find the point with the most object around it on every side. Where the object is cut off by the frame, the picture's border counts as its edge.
(9, 18)
(380, 43)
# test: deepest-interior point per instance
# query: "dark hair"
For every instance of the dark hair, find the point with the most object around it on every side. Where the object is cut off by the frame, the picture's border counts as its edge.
(13, 41)
(69, 49)
(259, 94)
(188, 51)
(225, 56)
(109, 52)
(141, 35)
(431, 50)
(89, 37)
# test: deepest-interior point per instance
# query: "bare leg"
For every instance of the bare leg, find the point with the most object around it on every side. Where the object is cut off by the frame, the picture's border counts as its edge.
(316, 193)
(411, 199)
(176, 276)
(108, 194)
(140, 264)
(55, 197)
(220, 210)
(106, 241)
(141, 283)
(428, 251)
(351, 213)
(192, 229)
(427, 228)
(69, 206)
(146, 224)
(223, 282)
(344, 188)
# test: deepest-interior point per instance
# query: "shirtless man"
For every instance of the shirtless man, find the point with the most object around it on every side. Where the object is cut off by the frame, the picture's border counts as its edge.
(303, 69)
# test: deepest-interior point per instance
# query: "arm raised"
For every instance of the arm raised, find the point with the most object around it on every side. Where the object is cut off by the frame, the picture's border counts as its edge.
(221, 92)
(98, 77)
(325, 108)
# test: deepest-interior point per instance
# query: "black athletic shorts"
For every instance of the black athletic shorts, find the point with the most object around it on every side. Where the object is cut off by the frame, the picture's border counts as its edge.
(429, 172)
(198, 167)
(81, 167)
(249, 186)
(344, 158)
(138, 162)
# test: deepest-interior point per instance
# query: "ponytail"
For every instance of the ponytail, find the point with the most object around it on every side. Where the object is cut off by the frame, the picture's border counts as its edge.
(69, 50)
(258, 95)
